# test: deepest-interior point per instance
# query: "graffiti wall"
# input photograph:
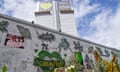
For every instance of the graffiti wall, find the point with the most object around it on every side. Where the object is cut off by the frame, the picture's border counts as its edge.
(26, 47)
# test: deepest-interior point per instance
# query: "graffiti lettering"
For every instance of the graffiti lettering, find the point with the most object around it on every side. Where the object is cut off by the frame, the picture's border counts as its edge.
(78, 46)
(14, 41)
(44, 46)
(64, 44)
(46, 63)
(107, 54)
(46, 37)
(88, 62)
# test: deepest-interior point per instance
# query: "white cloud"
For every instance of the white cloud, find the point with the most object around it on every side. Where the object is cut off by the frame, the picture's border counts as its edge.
(82, 8)
(108, 29)
(23, 9)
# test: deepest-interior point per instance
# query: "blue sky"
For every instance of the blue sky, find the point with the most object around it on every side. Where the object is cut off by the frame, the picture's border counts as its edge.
(97, 20)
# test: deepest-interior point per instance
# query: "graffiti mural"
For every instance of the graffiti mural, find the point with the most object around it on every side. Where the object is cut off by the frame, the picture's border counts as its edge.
(24, 32)
(103, 53)
(14, 41)
(64, 44)
(76, 59)
(89, 62)
(46, 37)
(117, 53)
(44, 46)
(103, 65)
(90, 49)
(4, 68)
(30, 48)
(48, 61)
(78, 46)
(4, 25)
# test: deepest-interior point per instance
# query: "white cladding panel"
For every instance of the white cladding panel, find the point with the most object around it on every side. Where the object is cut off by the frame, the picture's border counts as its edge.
(45, 20)
(68, 24)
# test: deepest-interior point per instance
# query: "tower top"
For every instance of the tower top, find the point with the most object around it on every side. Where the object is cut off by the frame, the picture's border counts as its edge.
(48, 5)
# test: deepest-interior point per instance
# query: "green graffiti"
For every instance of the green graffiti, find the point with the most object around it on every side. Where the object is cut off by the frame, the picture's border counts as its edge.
(54, 61)
(24, 32)
(4, 68)
(79, 57)
(3, 26)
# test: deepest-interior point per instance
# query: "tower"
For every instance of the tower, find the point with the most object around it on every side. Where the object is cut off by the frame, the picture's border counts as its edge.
(57, 15)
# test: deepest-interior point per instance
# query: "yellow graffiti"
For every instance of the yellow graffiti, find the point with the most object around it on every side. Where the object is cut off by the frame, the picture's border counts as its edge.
(104, 65)
(53, 64)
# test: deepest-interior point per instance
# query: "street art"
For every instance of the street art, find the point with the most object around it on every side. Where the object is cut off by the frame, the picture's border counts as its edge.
(90, 49)
(79, 58)
(44, 46)
(46, 37)
(89, 62)
(64, 44)
(117, 53)
(76, 59)
(107, 54)
(103, 53)
(14, 41)
(48, 61)
(103, 65)
(51, 51)
(4, 68)
(75, 64)
(5, 65)
(3, 26)
(78, 46)
(24, 31)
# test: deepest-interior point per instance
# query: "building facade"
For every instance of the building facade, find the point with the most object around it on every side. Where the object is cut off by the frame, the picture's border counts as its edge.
(57, 15)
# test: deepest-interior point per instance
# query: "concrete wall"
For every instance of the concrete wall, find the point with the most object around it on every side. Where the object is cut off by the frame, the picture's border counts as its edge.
(25, 47)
